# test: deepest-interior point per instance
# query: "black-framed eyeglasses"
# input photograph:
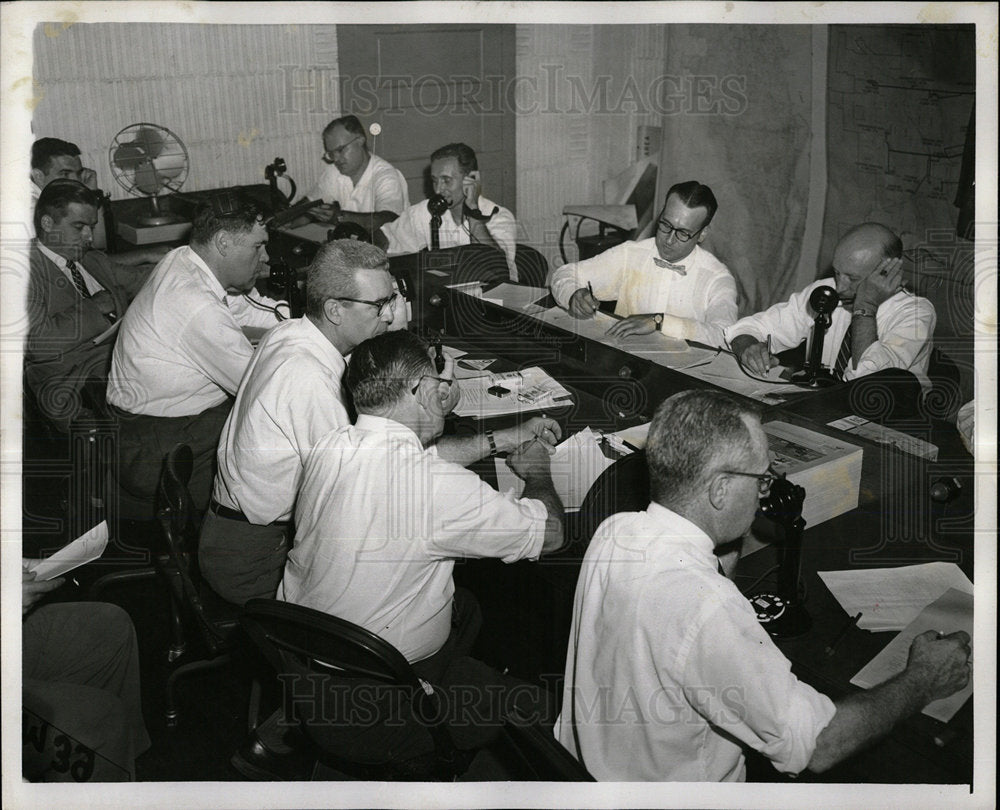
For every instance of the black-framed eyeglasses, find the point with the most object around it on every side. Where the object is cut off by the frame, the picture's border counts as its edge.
(383, 305)
(329, 155)
(449, 381)
(765, 480)
(666, 228)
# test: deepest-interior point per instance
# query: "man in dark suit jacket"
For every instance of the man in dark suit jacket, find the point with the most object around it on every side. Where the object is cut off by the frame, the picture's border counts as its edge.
(74, 296)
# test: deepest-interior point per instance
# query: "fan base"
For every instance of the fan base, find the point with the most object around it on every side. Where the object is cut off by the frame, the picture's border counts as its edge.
(162, 219)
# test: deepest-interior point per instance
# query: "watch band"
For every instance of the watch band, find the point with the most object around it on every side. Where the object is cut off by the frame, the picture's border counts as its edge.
(493, 443)
(862, 313)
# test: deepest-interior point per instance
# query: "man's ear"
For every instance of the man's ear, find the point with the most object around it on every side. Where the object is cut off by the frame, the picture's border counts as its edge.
(718, 491)
(222, 241)
(703, 234)
(433, 395)
(47, 223)
(332, 311)
(38, 177)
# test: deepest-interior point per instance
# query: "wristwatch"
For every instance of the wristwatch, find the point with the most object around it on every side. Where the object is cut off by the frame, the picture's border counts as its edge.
(861, 312)
(658, 320)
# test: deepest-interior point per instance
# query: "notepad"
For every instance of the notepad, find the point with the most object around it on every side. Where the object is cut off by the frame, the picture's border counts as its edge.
(948, 613)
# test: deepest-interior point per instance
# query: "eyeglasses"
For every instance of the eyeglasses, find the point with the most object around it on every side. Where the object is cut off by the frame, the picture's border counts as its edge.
(764, 480)
(446, 380)
(332, 154)
(666, 228)
(383, 305)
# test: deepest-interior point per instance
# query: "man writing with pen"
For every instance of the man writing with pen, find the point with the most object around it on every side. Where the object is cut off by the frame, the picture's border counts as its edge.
(876, 325)
(668, 283)
(380, 518)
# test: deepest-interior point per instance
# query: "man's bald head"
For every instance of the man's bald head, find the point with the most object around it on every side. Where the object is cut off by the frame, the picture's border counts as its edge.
(868, 244)
(859, 253)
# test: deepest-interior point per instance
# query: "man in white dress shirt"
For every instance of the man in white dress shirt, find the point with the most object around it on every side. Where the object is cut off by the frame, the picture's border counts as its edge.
(380, 520)
(181, 349)
(667, 283)
(877, 324)
(471, 219)
(668, 672)
(356, 186)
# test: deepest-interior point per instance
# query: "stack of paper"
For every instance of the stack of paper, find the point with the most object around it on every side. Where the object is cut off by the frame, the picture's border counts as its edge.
(950, 612)
(829, 469)
(577, 463)
(891, 598)
(886, 435)
(515, 392)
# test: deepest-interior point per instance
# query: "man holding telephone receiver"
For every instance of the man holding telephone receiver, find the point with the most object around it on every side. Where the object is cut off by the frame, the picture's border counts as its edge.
(470, 218)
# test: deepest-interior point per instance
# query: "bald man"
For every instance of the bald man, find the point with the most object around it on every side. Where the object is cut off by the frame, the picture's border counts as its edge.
(877, 323)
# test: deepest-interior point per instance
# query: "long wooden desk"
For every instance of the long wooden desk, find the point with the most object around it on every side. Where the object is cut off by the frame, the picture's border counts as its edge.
(527, 606)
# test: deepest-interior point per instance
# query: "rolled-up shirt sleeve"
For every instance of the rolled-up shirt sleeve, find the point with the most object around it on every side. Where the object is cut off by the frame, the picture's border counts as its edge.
(742, 684)
(603, 273)
(904, 339)
(787, 323)
(720, 312)
(390, 192)
(474, 520)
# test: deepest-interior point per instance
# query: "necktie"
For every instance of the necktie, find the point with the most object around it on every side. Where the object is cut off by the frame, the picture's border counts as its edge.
(78, 282)
(677, 268)
(844, 355)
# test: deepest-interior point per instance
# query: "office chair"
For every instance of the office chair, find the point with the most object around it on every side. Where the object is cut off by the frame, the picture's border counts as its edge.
(945, 397)
(216, 619)
(529, 753)
(622, 487)
(300, 640)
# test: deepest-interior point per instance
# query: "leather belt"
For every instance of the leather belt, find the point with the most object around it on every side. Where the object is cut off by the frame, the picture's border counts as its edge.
(234, 514)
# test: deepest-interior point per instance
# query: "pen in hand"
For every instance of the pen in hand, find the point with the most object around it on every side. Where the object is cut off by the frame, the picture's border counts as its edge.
(832, 646)
(590, 289)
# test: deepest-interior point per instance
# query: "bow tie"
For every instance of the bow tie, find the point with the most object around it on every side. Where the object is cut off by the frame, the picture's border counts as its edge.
(677, 268)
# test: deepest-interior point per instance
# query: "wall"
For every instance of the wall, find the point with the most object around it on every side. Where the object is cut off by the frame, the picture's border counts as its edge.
(227, 91)
(581, 92)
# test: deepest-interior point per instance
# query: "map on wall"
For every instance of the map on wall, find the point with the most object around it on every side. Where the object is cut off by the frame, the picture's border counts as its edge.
(899, 101)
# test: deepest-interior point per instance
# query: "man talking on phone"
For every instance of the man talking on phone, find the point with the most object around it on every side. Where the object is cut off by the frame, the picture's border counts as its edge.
(470, 219)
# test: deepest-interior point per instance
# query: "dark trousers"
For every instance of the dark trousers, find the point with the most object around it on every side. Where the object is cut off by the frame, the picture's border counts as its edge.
(80, 691)
(242, 561)
(143, 441)
(367, 722)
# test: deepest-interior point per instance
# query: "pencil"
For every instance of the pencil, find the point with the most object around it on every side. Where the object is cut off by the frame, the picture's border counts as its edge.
(832, 646)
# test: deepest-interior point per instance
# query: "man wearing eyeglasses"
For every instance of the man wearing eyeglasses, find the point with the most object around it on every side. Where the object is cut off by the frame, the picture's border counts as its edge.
(877, 323)
(669, 675)
(667, 283)
(379, 522)
(356, 186)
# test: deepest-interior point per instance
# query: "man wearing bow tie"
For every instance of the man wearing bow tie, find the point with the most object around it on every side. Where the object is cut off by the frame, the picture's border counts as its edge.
(667, 283)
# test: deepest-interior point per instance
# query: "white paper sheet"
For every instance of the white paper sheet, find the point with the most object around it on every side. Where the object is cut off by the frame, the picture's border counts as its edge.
(87, 547)
(950, 612)
(576, 464)
(891, 598)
